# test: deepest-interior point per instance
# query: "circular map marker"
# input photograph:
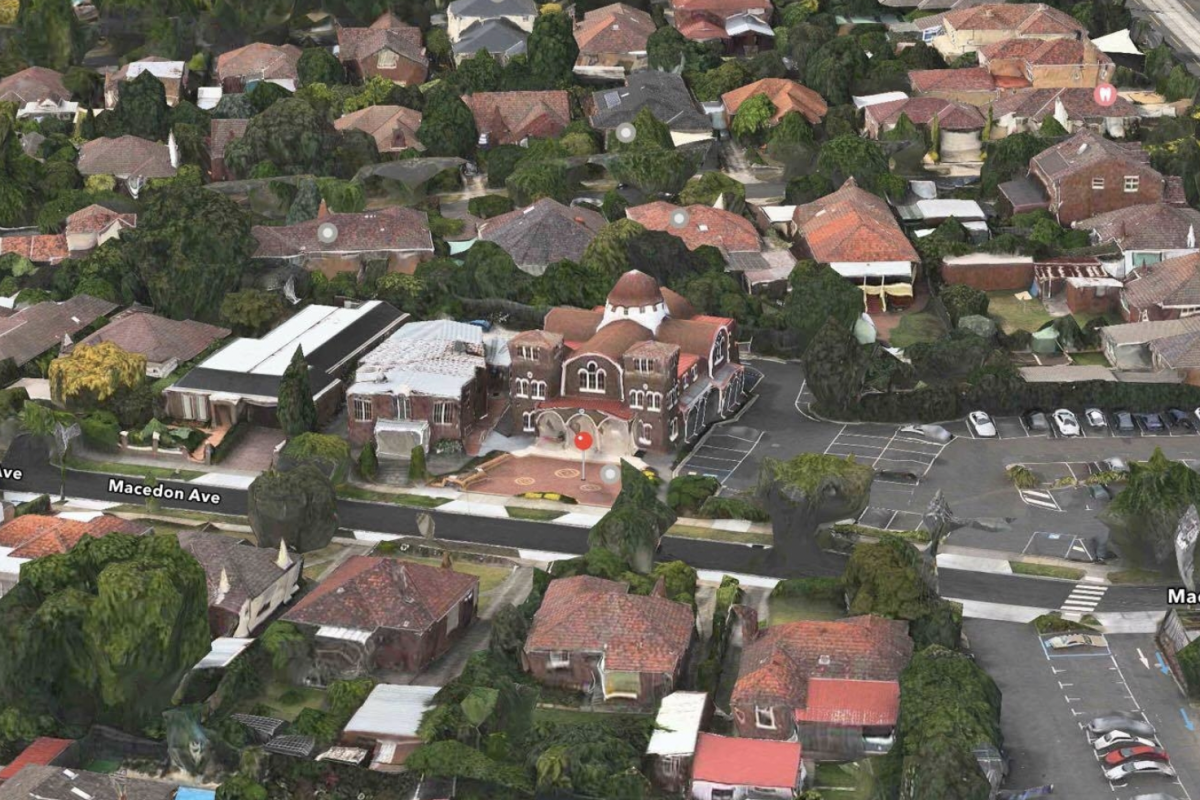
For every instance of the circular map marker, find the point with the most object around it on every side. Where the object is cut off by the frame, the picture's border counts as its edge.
(626, 132)
(327, 233)
(583, 441)
(1105, 94)
(679, 218)
(610, 474)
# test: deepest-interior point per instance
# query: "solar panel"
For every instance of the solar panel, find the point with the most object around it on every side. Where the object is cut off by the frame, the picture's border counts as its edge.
(266, 727)
(612, 99)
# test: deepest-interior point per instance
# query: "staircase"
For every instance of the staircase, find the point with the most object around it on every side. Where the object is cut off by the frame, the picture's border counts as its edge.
(392, 472)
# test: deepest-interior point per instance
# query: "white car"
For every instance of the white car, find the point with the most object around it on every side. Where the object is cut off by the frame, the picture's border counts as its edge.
(1066, 423)
(982, 424)
(934, 432)
(1123, 771)
(1095, 418)
(1117, 739)
(1068, 640)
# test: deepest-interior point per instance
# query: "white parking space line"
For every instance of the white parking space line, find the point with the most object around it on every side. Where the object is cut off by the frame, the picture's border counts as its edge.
(1032, 497)
(835, 440)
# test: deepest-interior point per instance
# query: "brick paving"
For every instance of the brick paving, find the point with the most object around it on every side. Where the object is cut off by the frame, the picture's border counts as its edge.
(540, 474)
(255, 451)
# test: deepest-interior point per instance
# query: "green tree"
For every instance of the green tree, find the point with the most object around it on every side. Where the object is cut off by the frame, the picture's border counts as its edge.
(818, 293)
(565, 283)
(1008, 158)
(318, 65)
(368, 461)
(540, 179)
(1051, 128)
(447, 126)
(141, 110)
(636, 522)
(189, 250)
(291, 135)
(669, 51)
(489, 205)
(18, 173)
(752, 118)
(50, 34)
(306, 204)
(251, 311)
(552, 50)
(437, 45)
(297, 411)
(1143, 517)
(834, 365)
(710, 186)
(479, 73)
(961, 300)
(709, 86)
(297, 506)
(793, 128)
(686, 493)
(852, 157)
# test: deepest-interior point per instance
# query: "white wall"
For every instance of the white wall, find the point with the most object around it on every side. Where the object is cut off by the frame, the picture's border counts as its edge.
(702, 790)
(873, 269)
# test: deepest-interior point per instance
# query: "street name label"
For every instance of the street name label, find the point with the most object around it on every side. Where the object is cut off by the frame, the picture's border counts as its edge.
(1182, 596)
(123, 487)
(9, 474)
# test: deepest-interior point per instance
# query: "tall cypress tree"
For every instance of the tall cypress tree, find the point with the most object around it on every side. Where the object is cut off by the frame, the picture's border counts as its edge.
(297, 411)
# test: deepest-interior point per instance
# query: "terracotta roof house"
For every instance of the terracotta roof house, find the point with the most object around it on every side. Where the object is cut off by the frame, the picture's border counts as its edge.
(38, 93)
(735, 767)
(238, 70)
(90, 227)
(960, 125)
(1025, 110)
(129, 159)
(667, 97)
(241, 380)
(171, 74)
(1088, 175)
(36, 535)
(541, 234)
(715, 227)
(36, 329)
(591, 635)
(39, 248)
(967, 30)
(832, 686)
(1046, 63)
(854, 232)
(221, 134)
(426, 382)
(166, 343)
(384, 614)
(784, 94)
(645, 372)
(741, 26)
(43, 751)
(972, 85)
(500, 37)
(389, 48)
(399, 235)
(394, 128)
(246, 584)
(1167, 290)
(1146, 234)
(513, 117)
(612, 40)
(58, 783)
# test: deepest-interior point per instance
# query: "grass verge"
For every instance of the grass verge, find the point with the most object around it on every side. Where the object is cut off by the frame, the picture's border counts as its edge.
(1046, 571)
(719, 535)
(1136, 576)
(131, 470)
(533, 514)
(913, 328)
(348, 492)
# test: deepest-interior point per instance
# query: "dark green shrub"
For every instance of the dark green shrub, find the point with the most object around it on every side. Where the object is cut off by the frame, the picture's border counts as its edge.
(368, 462)
(416, 466)
(12, 401)
(38, 505)
(733, 508)
(101, 431)
(687, 493)
(489, 205)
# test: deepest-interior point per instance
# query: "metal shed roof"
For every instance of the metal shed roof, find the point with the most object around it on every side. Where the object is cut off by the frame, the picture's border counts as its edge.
(677, 725)
(392, 711)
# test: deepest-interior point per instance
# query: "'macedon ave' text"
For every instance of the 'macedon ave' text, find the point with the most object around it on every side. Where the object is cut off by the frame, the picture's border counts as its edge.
(121, 486)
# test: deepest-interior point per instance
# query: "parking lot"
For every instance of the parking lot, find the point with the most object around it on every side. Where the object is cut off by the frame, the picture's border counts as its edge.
(721, 453)
(1050, 695)
(1018, 427)
(888, 449)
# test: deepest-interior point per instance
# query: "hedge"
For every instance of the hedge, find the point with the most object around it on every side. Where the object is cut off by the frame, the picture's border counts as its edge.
(732, 508)
(227, 445)
(101, 431)
(825, 589)
(12, 401)
(1189, 666)
(708, 674)
(38, 505)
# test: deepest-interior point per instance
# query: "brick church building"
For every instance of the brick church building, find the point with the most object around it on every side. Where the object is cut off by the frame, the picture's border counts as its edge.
(643, 372)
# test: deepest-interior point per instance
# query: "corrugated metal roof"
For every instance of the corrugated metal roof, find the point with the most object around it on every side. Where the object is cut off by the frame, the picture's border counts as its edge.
(678, 724)
(392, 711)
(345, 634)
(223, 651)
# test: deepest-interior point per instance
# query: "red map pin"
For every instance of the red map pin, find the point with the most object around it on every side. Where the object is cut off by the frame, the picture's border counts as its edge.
(583, 441)
(1105, 94)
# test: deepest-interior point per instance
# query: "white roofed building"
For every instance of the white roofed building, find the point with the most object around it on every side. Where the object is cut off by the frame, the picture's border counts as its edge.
(387, 723)
(672, 748)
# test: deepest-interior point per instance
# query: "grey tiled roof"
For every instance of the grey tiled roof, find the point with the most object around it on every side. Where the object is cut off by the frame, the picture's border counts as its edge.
(664, 93)
(1174, 282)
(543, 233)
(1147, 227)
(250, 570)
(57, 783)
(493, 8)
(32, 331)
(494, 36)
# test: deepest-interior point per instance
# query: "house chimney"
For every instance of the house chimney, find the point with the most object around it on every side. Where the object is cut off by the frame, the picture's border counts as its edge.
(1191, 237)
(173, 149)
(284, 561)
(322, 210)
(446, 562)
(8, 511)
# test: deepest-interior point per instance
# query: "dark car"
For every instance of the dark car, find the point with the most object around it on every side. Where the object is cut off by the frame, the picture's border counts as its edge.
(1180, 419)
(1037, 421)
(1151, 421)
(1123, 421)
(1115, 757)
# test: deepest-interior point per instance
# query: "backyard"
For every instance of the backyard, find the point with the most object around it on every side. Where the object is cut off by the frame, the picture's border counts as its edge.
(923, 326)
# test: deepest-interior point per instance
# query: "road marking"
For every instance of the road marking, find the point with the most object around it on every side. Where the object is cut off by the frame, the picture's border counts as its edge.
(1084, 598)
(1142, 657)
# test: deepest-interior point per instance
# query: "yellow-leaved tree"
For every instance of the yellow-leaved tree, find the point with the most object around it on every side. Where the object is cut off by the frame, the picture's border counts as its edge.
(8, 11)
(92, 374)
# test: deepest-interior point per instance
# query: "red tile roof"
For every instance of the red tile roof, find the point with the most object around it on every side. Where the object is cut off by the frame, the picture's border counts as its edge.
(259, 61)
(701, 29)
(46, 249)
(635, 633)
(392, 229)
(369, 593)
(1022, 18)
(1080, 104)
(852, 226)
(157, 338)
(968, 79)
(356, 44)
(33, 85)
(573, 324)
(96, 218)
(41, 752)
(617, 28)
(951, 116)
(746, 762)
(1087, 148)
(125, 156)
(851, 703)
(613, 408)
(786, 95)
(635, 288)
(613, 340)
(723, 8)
(1045, 52)
(37, 535)
(510, 117)
(706, 225)
(393, 128)
(1174, 282)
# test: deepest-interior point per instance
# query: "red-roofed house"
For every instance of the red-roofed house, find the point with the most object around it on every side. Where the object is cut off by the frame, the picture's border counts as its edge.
(741, 26)
(854, 232)
(726, 768)
(715, 227)
(386, 614)
(394, 128)
(833, 686)
(972, 85)
(785, 95)
(44, 751)
(513, 117)
(960, 125)
(35, 535)
(645, 372)
(40, 249)
(591, 635)
(1047, 63)
(1025, 111)
(238, 70)
(389, 48)
(966, 30)
(90, 227)
(612, 40)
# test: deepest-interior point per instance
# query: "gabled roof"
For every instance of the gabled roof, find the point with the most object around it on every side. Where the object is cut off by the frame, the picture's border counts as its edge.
(1083, 150)
(510, 117)
(1146, 227)
(157, 338)
(1177, 352)
(33, 85)
(32, 331)
(496, 36)
(125, 156)
(1174, 282)
(543, 233)
(852, 225)
(851, 702)
(249, 571)
(259, 61)
(664, 93)
(1028, 19)
(614, 339)
(57, 783)
(394, 128)
(1045, 52)
(40, 249)
(724, 8)
(40, 752)
(746, 762)
(968, 79)
(951, 116)
(392, 229)
(485, 9)
(367, 593)
(97, 218)
(779, 665)
(1080, 104)
(38, 535)
(785, 94)
(592, 615)
(615, 28)
(355, 44)
(729, 232)
(162, 68)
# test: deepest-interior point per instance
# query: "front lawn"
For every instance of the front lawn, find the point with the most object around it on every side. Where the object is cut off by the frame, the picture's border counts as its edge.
(1089, 359)
(923, 326)
(130, 470)
(796, 609)
(854, 780)
(285, 700)
(719, 535)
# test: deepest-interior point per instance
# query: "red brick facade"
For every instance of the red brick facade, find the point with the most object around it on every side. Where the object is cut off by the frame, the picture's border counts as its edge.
(464, 413)
(989, 277)
(1085, 298)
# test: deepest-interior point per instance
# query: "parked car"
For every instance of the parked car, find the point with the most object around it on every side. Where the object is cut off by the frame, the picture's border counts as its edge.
(1123, 771)
(1068, 640)
(1124, 421)
(1151, 421)
(982, 424)
(1121, 739)
(1118, 721)
(1180, 419)
(1139, 752)
(1066, 422)
(1114, 464)
(1095, 418)
(935, 432)
(1036, 421)
(1100, 492)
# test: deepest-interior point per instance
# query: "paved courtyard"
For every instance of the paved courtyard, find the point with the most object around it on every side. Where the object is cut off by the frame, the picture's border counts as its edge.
(255, 450)
(542, 474)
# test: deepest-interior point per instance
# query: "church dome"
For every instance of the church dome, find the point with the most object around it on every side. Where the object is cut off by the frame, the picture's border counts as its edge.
(635, 288)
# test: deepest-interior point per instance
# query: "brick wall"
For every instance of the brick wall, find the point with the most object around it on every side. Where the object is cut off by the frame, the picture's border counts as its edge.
(990, 277)
(1076, 198)
(1089, 300)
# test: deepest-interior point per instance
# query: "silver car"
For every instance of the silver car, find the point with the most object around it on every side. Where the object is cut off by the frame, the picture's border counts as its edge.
(982, 424)
(1139, 768)
(1116, 722)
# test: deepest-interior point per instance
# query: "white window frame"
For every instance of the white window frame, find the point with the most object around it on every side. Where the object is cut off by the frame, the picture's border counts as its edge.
(403, 407)
(646, 433)
(443, 413)
(592, 378)
(527, 422)
(1133, 183)
(636, 398)
(1097, 184)
(654, 401)
(520, 387)
(674, 428)
(529, 352)
(364, 409)
(558, 659)
(538, 389)
(758, 718)
(387, 60)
